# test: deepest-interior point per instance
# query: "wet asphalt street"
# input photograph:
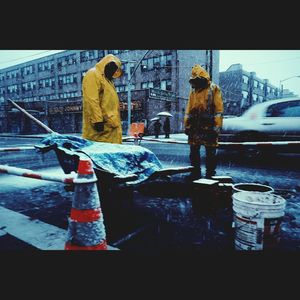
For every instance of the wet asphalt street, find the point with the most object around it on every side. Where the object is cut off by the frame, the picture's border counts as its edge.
(154, 215)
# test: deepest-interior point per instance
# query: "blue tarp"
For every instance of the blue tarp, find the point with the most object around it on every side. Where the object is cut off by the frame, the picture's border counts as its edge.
(121, 160)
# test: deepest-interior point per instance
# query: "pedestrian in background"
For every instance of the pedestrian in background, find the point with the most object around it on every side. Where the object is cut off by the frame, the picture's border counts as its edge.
(101, 121)
(167, 127)
(157, 126)
(203, 121)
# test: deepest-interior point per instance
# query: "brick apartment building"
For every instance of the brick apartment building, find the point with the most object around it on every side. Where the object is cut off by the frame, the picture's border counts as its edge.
(50, 87)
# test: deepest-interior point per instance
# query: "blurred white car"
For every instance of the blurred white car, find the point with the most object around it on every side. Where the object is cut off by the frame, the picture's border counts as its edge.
(274, 120)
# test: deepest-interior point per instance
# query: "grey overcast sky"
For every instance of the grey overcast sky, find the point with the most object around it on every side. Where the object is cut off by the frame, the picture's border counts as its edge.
(274, 65)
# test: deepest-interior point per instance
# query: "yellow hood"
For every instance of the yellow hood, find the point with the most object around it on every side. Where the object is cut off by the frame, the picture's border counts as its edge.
(198, 71)
(107, 59)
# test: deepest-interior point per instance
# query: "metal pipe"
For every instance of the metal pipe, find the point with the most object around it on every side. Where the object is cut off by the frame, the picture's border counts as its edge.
(17, 149)
(36, 175)
(49, 130)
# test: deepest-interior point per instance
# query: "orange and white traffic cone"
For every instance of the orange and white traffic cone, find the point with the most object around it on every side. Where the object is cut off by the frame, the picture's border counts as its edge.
(86, 228)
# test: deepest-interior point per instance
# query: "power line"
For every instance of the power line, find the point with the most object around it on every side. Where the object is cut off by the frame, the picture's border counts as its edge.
(274, 61)
(16, 59)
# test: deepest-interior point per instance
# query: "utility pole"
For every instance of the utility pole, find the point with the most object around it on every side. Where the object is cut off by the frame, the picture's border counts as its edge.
(46, 112)
(129, 86)
(128, 97)
(211, 64)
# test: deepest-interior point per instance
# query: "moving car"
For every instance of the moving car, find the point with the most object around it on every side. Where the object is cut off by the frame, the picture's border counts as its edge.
(274, 120)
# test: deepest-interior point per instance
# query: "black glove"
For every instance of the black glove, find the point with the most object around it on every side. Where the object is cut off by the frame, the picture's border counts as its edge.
(99, 126)
(210, 136)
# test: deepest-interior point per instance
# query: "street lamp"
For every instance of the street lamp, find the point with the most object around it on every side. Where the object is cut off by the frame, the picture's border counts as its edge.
(281, 85)
(129, 86)
(129, 95)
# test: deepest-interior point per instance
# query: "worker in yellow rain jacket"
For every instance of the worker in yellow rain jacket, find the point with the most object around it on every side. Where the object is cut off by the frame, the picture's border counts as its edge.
(203, 121)
(101, 121)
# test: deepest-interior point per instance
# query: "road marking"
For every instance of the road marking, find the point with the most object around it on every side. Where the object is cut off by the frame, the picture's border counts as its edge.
(34, 232)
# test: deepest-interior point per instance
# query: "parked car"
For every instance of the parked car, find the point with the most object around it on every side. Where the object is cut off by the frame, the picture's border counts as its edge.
(274, 120)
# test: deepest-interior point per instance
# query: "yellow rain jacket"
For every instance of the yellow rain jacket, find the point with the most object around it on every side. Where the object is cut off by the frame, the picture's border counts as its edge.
(197, 104)
(101, 103)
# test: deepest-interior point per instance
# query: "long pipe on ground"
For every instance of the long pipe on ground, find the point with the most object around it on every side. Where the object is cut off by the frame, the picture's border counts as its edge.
(35, 175)
(49, 130)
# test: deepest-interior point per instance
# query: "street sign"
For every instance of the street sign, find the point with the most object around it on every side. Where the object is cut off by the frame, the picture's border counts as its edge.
(75, 108)
(161, 94)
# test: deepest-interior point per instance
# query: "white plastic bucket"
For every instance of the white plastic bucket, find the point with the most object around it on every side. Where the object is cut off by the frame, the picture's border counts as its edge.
(257, 220)
(252, 187)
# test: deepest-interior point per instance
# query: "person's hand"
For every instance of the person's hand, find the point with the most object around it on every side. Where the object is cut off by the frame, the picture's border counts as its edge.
(99, 126)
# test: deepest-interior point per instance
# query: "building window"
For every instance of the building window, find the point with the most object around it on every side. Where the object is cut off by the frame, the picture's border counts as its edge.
(255, 84)
(114, 52)
(245, 79)
(67, 79)
(49, 82)
(12, 89)
(27, 70)
(156, 62)
(100, 54)
(45, 66)
(254, 97)
(163, 60)
(150, 63)
(245, 94)
(87, 55)
(121, 88)
(169, 60)
(163, 85)
(268, 89)
(71, 59)
(260, 98)
(68, 95)
(147, 85)
(169, 85)
(12, 74)
(28, 86)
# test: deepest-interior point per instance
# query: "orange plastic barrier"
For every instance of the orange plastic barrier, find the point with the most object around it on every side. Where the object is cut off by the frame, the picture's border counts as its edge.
(137, 129)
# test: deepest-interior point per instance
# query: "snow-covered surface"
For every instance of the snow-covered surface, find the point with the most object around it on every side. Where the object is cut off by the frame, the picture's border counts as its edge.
(121, 160)
(34, 232)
